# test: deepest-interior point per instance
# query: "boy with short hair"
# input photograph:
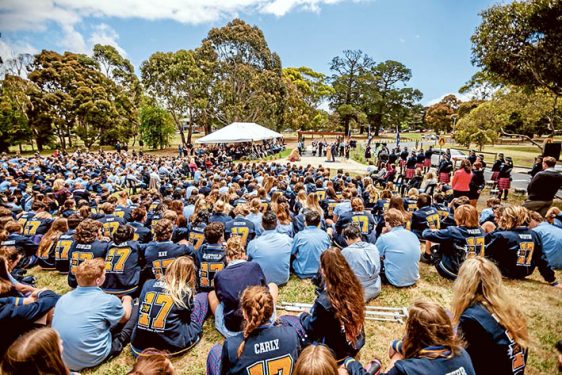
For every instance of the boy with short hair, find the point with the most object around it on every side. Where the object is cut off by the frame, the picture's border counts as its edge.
(87, 319)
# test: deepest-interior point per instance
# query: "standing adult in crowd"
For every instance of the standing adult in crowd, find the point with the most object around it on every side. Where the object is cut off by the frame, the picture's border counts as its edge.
(461, 179)
(543, 187)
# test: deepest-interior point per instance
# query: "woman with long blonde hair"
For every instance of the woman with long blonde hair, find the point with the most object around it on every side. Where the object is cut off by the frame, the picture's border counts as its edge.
(48, 244)
(516, 249)
(182, 325)
(301, 200)
(253, 346)
(313, 203)
(492, 326)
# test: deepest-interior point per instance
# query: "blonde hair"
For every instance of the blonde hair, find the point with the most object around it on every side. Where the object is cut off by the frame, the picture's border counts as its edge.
(58, 184)
(235, 248)
(394, 218)
(551, 214)
(480, 281)
(316, 360)
(513, 217)
(312, 203)
(466, 215)
(180, 280)
(413, 193)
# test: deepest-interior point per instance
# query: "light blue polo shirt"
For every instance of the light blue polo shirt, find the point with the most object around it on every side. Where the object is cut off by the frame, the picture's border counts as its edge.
(272, 251)
(308, 245)
(365, 262)
(83, 319)
(551, 238)
(401, 251)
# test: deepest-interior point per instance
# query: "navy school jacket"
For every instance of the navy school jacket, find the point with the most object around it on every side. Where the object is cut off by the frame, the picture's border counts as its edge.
(425, 218)
(445, 365)
(35, 226)
(142, 233)
(211, 259)
(489, 345)
(197, 235)
(124, 212)
(162, 324)
(25, 216)
(322, 326)
(158, 255)
(517, 252)
(79, 252)
(64, 244)
(23, 244)
(110, 223)
(242, 227)
(364, 220)
(122, 268)
(274, 347)
(17, 318)
(229, 285)
(456, 245)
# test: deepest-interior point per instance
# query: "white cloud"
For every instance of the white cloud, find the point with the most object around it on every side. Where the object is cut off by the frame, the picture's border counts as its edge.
(462, 97)
(72, 40)
(104, 34)
(37, 15)
(34, 14)
(402, 40)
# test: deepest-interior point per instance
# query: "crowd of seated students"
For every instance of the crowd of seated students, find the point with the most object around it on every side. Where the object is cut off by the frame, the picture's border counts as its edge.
(146, 268)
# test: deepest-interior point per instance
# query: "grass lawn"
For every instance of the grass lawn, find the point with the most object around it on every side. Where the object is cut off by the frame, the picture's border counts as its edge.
(540, 302)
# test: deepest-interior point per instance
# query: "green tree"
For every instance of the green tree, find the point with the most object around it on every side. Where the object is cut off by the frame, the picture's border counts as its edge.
(127, 94)
(14, 103)
(440, 116)
(306, 89)
(480, 126)
(247, 83)
(179, 81)
(520, 43)
(346, 99)
(156, 126)
(385, 99)
(73, 97)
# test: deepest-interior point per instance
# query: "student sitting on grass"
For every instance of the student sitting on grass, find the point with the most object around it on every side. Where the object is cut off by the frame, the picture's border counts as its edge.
(516, 249)
(90, 321)
(122, 263)
(239, 274)
(262, 340)
(492, 326)
(171, 315)
(429, 345)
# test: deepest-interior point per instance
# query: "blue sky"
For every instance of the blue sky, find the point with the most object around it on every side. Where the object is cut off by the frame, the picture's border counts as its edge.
(431, 37)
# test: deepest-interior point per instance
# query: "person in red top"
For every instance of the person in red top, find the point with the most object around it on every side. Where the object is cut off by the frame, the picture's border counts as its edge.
(461, 179)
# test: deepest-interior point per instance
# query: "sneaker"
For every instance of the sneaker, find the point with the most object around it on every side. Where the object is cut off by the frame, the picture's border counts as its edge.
(426, 258)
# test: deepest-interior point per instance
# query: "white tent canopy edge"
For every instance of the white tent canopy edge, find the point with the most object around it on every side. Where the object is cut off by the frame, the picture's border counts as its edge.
(238, 132)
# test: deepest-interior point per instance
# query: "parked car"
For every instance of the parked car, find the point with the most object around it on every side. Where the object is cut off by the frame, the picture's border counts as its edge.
(456, 156)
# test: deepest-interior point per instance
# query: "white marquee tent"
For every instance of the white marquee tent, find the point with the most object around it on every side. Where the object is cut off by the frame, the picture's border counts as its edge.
(238, 132)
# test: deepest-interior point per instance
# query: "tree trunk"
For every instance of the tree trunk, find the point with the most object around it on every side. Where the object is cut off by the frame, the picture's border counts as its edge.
(554, 113)
(182, 136)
